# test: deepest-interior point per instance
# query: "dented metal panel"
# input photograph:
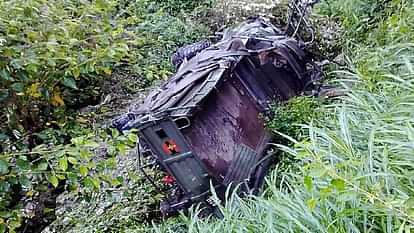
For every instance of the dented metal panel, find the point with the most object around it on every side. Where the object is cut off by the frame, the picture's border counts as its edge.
(227, 119)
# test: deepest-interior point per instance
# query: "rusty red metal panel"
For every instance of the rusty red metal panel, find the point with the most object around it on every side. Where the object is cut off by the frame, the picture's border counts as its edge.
(228, 118)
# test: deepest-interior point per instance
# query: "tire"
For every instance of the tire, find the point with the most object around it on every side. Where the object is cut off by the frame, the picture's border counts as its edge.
(188, 51)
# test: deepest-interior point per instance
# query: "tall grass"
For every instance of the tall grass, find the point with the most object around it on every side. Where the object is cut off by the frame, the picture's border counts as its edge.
(356, 173)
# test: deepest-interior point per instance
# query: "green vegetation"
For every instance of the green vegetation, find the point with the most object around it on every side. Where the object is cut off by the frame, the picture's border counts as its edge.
(288, 118)
(354, 169)
(350, 164)
(55, 57)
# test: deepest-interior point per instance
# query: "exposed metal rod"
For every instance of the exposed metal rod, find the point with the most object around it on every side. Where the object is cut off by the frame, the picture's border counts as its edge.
(141, 168)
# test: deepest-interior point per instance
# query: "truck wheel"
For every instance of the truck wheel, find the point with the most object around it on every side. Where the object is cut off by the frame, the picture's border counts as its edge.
(188, 51)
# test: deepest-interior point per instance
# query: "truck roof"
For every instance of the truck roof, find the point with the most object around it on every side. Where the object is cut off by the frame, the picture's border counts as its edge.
(195, 79)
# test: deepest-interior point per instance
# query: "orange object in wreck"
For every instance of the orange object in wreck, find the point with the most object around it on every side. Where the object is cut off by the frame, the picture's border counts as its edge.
(168, 179)
(170, 147)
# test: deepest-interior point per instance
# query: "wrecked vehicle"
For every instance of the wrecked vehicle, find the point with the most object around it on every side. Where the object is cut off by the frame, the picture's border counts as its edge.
(204, 125)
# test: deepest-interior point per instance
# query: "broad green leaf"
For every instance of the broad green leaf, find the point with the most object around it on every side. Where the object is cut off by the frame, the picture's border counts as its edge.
(18, 87)
(115, 133)
(90, 143)
(23, 164)
(77, 140)
(2, 226)
(53, 180)
(122, 148)
(4, 74)
(405, 29)
(24, 181)
(132, 137)
(4, 167)
(115, 182)
(42, 166)
(83, 170)
(69, 82)
(72, 177)
(76, 72)
(308, 183)
(311, 203)
(96, 182)
(84, 154)
(22, 76)
(4, 187)
(409, 204)
(4, 94)
(91, 165)
(338, 184)
(63, 163)
(101, 4)
(120, 179)
(88, 183)
(111, 163)
(72, 160)
(325, 192)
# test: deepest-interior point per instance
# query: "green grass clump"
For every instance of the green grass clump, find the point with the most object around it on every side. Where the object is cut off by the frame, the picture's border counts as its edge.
(288, 117)
(354, 170)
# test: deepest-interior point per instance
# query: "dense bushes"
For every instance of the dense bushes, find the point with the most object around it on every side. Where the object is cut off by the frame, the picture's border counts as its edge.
(175, 7)
(288, 118)
(50, 49)
(354, 170)
(54, 57)
(161, 34)
(54, 53)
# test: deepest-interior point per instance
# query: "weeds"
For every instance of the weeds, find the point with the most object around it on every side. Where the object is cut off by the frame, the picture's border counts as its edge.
(55, 56)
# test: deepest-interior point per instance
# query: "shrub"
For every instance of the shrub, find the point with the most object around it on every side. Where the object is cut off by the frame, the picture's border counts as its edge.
(175, 7)
(27, 175)
(52, 49)
(54, 56)
(161, 35)
(56, 53)
(288, 118)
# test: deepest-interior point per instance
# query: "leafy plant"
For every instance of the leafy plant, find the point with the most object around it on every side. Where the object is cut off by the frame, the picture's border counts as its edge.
(128, 207)
(52, 49)
(288, 118)
(175, 7)
(26, 174)
(55, 56)
(162, 34)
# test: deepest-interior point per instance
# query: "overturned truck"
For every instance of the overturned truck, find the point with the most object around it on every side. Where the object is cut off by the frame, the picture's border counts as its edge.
(204, 125)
